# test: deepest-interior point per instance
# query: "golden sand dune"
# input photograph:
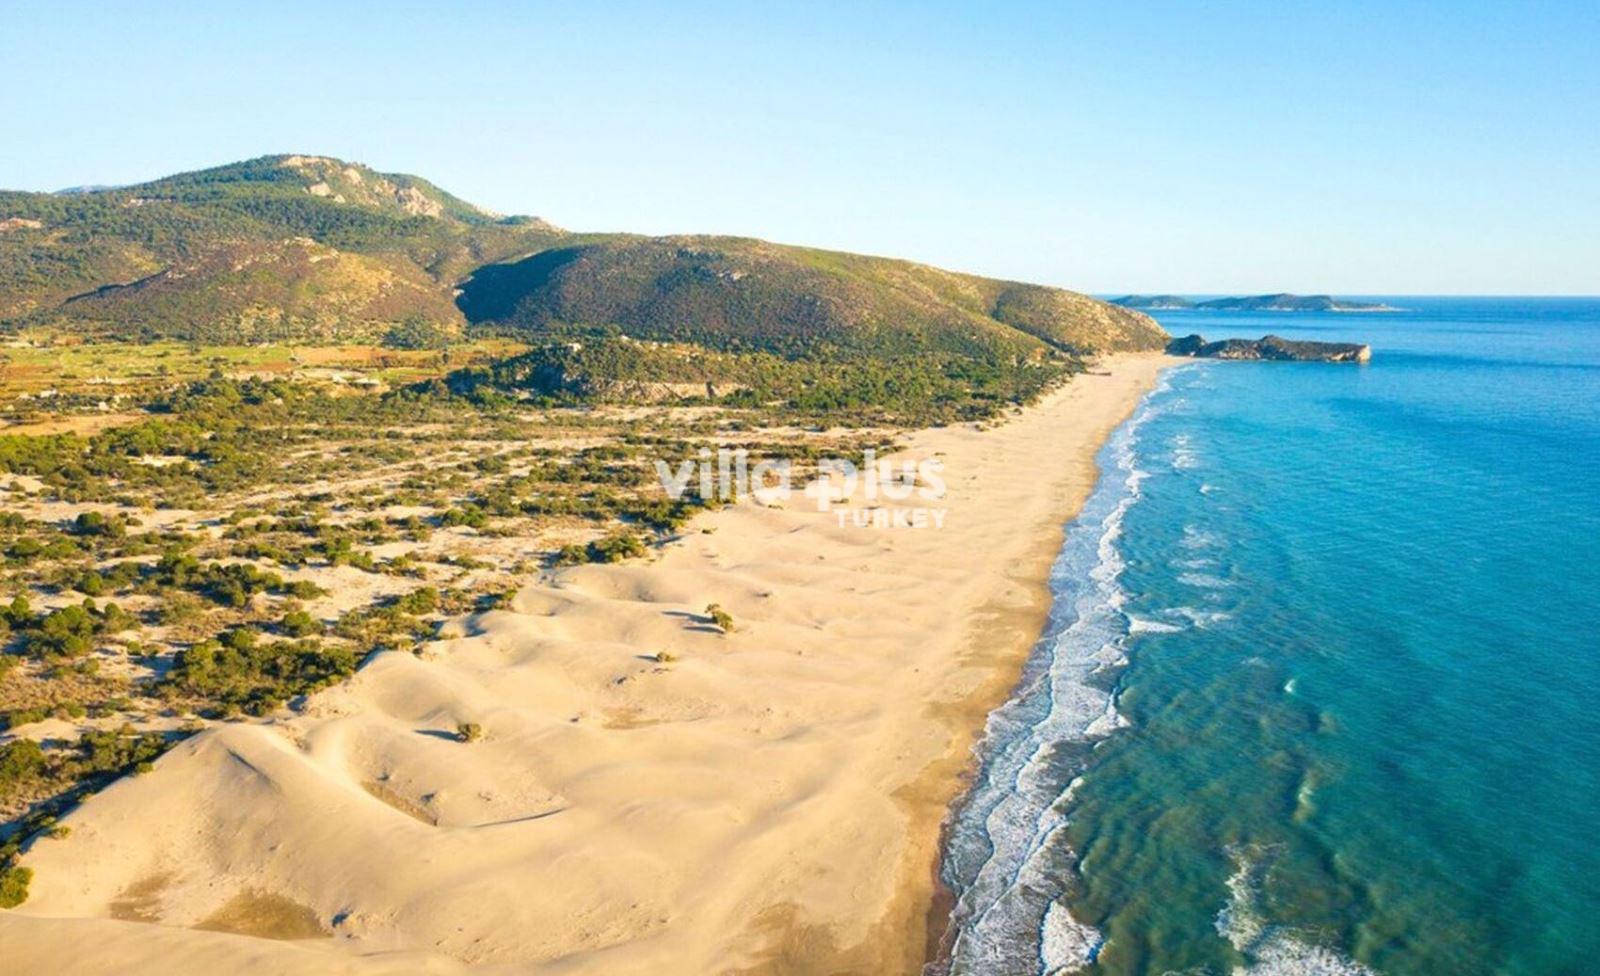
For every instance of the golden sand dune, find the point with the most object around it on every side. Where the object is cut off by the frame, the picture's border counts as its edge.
(765, 801)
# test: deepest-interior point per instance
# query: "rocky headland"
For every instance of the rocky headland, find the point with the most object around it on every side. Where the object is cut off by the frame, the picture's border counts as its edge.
(1270, 347)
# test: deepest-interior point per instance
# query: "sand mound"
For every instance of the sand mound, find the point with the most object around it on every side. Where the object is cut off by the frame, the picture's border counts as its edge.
(770, 799)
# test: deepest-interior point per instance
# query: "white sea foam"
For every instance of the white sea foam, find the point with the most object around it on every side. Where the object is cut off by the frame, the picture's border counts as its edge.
(1143, 625)
(1204, 581)
(1066, 944)
(1201, 618)
(1184, 455)
(1305, 799)
(1006, 856)
(1271, 950)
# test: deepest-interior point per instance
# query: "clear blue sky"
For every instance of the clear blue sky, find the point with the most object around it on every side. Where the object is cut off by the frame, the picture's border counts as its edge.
(1204, 147)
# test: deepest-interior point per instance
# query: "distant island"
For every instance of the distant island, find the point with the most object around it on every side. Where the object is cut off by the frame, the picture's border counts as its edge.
(1281, 302)
(1272, 348)
(1153, 301)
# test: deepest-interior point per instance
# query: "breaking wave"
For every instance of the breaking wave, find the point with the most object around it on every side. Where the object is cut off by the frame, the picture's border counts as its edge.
(1006, 858)
(1271, 950)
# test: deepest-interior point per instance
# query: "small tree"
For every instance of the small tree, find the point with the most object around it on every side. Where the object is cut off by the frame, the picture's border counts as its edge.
(298, 623)
(96, 523)
(720, 617)
(469, 731)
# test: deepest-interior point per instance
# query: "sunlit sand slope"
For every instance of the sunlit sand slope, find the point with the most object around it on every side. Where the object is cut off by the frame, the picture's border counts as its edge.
(767, 800)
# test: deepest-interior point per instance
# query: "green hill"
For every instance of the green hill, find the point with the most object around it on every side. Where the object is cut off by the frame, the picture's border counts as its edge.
(316, 245)
(251, 292)
(737, 294)
(747, 322)
(308, 248)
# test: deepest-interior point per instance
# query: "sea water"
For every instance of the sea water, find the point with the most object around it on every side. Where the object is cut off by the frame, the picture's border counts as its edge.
(1320, 691)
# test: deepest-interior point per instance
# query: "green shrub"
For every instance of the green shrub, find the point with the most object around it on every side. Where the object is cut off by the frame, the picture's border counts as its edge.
(469, 515)
(179, 608)
(242, 671)
(17, 613)
(721, 618)
(229, 584)
(65, 633)
(22, 763)
(298, 623)
(98, 524)
(423, 600)
(616, 547)
(25, 549)
(304, 590)
(14, 885)
(112, 751)
(233, 584)
(26, 716)
(381, 627)
(90, 583)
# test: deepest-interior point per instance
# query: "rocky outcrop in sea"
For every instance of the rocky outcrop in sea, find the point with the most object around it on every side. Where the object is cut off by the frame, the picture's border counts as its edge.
(1271, 347)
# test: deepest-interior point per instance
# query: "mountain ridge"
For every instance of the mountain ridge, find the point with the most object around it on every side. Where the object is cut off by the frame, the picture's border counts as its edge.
(301, 247)
(61, 249)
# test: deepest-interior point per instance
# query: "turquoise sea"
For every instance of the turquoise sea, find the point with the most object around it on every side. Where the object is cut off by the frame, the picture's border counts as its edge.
(1321, 690)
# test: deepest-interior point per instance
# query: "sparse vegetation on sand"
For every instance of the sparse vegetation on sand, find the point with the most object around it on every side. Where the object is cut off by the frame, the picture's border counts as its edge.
(14, 881)
(233, 542)
(261, 423)
(720, 618)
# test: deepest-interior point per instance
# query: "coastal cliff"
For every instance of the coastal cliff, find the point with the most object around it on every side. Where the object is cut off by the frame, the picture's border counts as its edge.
(1271, 347)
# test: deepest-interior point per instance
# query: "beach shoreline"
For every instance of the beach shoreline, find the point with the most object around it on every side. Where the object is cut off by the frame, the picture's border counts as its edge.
(770, 801)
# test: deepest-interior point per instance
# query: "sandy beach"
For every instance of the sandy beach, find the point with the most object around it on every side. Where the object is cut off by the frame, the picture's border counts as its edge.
(762, 801)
